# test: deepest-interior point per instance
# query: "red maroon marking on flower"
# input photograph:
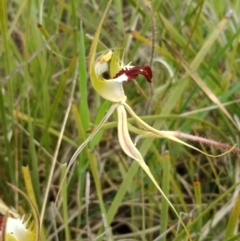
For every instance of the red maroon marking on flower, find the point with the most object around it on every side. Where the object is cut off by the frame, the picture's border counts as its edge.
(133, 72)
(1, 221)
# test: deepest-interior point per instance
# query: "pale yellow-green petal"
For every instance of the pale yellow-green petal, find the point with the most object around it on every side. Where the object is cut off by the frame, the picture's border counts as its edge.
(9, 237)
(108, 89)
(129, 148)
(115, 65)
(151, 132)
(123, 135)
(4, 209)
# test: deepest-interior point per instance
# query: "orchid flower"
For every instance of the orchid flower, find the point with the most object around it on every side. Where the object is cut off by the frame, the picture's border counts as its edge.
(112, 90)
(13, 227)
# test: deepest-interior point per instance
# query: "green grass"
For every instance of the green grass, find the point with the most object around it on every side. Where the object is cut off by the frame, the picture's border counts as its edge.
(48, 107)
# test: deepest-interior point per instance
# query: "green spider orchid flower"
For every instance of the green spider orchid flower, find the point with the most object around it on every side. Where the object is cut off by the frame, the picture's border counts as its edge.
(112, 90)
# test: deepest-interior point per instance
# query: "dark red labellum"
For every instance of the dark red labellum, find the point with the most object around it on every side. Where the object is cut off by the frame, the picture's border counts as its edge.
(1, 221)
(132, 73)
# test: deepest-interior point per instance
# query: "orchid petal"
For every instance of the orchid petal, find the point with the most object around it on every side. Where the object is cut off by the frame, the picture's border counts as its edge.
(115, 65)
(108, 89)
(111, 89)
(124, 137)
(5, 209)
(152, 132)
(129, 148)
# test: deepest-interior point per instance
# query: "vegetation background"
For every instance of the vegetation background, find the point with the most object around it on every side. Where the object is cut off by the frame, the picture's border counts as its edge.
(44, 82)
